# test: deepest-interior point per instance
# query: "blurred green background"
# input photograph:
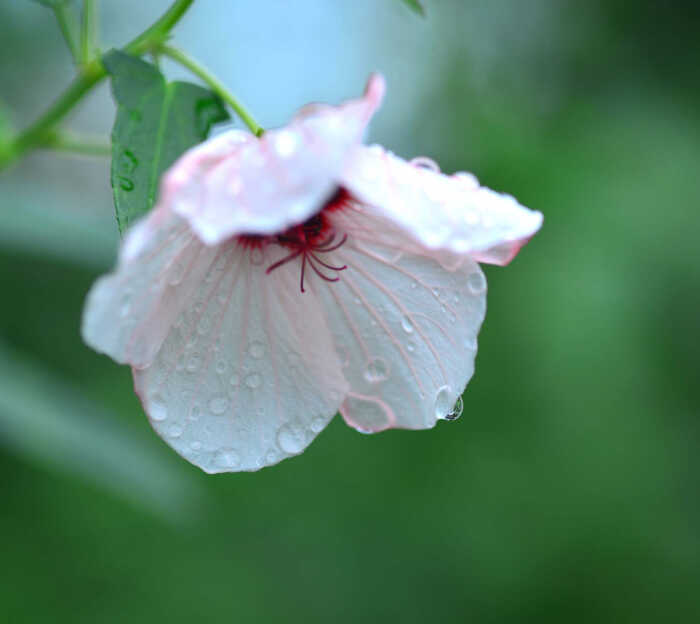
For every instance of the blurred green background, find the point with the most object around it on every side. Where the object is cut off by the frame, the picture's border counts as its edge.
(567, 492)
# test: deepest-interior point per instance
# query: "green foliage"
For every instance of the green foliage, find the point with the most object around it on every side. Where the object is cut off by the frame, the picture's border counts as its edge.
(52, 4)
(156, 122)
(416, 6)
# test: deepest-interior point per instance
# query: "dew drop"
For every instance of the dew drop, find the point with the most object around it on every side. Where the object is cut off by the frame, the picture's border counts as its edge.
(253, 380)
(256, 350)
(227, 458)
(125, 304)
(176, 274)
(196, 446)
(125, 184)
(193, 363)
(221, 367)
(157, 408)
(271, 457)
(456, 411)
(175, 431)
(476, 282)
(425, 163)
(442, 402)
(357, 300)
(234, 380)
(195, 413)
(256, 256)
(407, 325)
(317, 424)
(291, 438)
(410, 347)
(377, 370)
(218, 405)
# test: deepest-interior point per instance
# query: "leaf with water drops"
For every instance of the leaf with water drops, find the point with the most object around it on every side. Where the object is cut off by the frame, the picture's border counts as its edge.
(416, 6)
(156, 122)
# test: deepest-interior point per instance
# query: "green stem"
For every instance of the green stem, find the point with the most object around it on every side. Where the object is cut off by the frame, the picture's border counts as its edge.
(87, 78)
(87, 32)
(216, 85)
(85, 145)
(69, 27)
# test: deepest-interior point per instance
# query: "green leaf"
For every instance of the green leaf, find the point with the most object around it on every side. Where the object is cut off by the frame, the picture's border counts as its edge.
(156, 122)
(416, 6)
(51, 4)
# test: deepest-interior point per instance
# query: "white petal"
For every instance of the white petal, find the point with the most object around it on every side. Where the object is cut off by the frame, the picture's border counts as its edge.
(128, 312)
(248, 374)
(442, 212)
(237, 183)
(405, 327)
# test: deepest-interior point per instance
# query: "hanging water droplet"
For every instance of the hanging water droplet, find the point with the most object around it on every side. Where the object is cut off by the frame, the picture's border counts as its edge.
(476, 282)
(291, 438)
(157, 408)
(442, 402)
(377, 370)
(176, 274)
(218, 405)
(227, 458)
(256, 349)
(253, 380)
(175, 431)
(456, 411)
(407, 325)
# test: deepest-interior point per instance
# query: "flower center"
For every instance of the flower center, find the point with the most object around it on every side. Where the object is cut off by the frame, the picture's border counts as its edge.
(307, 241)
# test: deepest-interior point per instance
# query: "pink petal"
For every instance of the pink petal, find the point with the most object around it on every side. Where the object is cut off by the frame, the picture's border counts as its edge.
(442, 212)
(405, 327)
(236, 183)
(248, 374)
(128, 312)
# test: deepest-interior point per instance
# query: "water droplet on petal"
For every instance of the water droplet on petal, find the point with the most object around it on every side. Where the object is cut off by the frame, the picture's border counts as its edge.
(195, 446)
(291, 438)
(234, 380)
(442, 402)
(407, 325)
(221, 367)
(317, 424)
(226, 458)
(125, 305)
(253, 380)
(176, 274)
(476, 282)
(218, 405)
(377, 370)
(456, 411)
(256, 350)
(175, 431)
(256, 256)
(157, 408)
(425, 163)
(410, 347)
(193, 363)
